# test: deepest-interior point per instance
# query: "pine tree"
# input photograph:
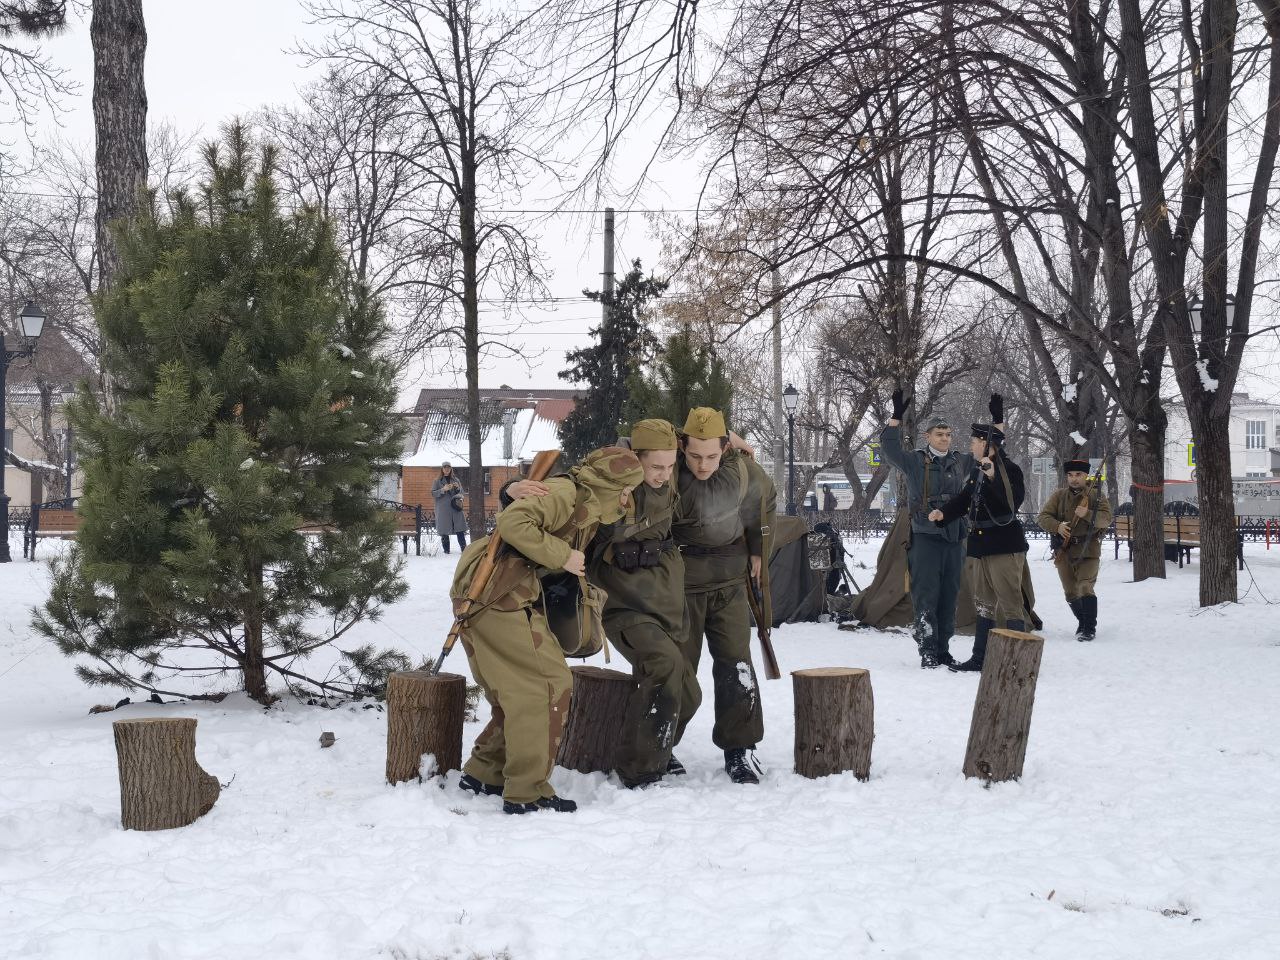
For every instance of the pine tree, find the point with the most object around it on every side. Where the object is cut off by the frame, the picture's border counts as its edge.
(250, 399)
(624, 345)
(686, 374)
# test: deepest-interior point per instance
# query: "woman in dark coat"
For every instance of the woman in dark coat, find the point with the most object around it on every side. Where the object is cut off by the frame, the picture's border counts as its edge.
(449, 518)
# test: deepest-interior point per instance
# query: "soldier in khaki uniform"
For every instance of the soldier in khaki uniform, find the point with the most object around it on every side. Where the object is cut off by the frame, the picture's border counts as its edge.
(637, 563)
(725, 512)
(1077, 516)
(512, 653)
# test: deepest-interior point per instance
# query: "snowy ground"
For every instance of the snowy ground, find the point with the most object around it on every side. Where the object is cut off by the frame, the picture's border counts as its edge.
(1146, 824)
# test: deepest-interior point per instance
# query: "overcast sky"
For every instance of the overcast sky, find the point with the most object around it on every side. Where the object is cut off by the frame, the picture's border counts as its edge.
(208, 62)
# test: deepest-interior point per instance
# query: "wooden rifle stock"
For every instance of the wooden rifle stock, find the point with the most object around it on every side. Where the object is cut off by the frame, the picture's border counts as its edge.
(763, 628)
(542, 465)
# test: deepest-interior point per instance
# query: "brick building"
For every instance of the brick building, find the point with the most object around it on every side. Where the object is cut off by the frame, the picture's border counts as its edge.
(535, 419)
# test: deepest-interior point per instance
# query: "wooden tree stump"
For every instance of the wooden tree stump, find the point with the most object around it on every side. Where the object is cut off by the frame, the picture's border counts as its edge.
(593, 731)
(425, 714)
(835, 721)
(161, 784)
(1002, 709)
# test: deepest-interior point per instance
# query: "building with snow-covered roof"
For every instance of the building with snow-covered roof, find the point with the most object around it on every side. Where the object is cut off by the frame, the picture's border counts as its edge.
(514, 431)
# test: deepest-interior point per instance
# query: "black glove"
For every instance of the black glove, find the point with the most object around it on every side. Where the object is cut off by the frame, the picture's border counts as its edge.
(900, 404)
(996, 407)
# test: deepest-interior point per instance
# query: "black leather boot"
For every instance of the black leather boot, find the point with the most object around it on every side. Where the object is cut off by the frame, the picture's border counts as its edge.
(1074, 604)
(974, 664)
(1089, 619)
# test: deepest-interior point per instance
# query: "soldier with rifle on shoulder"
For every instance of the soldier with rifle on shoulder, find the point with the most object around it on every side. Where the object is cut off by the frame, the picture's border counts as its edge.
(513, 654)
(1077, 517)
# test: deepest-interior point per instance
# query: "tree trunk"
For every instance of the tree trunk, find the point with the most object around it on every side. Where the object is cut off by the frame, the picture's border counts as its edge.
(1146, 448)
(593, 731)
(161, 784)
(835, 721)
(425, 714)
(1002, 710)
(253, 667)
(1218, 539)
(476, 518)
(119, 38)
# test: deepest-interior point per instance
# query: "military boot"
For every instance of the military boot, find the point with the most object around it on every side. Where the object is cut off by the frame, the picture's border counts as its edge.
(1088, 619)
(675, 768)
(740, 767)
(558, 804)
(981, 628)
(1074, 604)
(469, 784)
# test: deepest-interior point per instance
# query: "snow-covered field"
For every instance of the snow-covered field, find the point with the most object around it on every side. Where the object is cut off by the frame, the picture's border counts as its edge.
(1146, 824)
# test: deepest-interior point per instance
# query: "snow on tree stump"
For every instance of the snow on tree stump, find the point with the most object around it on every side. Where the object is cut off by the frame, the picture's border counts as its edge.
(425, 713)
(835, 721)
(1002, 710)
(593, 732)
(161, 784)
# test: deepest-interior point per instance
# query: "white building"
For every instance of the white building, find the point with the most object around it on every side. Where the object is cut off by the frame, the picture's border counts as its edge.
(1254, 439)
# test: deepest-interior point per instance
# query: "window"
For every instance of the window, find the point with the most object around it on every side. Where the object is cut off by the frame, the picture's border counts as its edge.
(1255, 434)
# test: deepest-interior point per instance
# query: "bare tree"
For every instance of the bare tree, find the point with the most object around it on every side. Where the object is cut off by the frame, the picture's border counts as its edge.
(347, 150)
(461, 74)
(29, 80)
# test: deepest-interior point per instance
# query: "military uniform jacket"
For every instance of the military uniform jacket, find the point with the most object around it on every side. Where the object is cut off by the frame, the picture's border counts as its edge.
(1061, 507)
(996, 526)
(735, 506)
(931, 482)
(646, 594)
(537, 535)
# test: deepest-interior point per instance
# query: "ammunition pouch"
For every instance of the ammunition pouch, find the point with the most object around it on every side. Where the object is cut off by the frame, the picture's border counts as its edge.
(630, 555)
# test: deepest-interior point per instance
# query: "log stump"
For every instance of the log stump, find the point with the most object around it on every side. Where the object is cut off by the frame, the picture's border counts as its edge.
(1002, 710)
(425, 714)
(593, 731)
(161, 784)
(835, 721)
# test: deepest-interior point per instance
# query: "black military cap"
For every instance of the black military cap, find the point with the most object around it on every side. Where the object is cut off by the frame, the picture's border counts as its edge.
(989, 432)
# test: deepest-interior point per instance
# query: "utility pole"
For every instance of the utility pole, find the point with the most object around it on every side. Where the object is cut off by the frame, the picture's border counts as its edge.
(606, 302)
(778, 420)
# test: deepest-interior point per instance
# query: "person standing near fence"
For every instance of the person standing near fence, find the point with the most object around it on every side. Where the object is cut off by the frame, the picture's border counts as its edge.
(450, 518)
(935, 558)
(990, 499)
(1078, 516)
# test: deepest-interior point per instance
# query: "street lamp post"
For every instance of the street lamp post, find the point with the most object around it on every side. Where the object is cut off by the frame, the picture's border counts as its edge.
(790, 401)
(30, 323)
(1195, 312)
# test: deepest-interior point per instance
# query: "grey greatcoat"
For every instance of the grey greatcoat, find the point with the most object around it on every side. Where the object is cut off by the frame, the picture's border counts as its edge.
(449, 520)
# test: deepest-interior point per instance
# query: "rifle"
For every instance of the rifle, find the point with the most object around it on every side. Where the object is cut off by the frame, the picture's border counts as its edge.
(540, 468)
(755, 599)
(1093, 517)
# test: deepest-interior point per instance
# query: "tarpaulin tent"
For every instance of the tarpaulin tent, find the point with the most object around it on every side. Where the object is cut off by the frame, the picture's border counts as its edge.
(887, 601)
(797, 573)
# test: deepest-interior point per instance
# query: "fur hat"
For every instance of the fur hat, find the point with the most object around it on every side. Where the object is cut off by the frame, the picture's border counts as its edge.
(1082, 466)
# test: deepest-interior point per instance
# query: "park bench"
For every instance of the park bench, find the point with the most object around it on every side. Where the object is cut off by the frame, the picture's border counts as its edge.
(1181, 536)
(59, 520)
